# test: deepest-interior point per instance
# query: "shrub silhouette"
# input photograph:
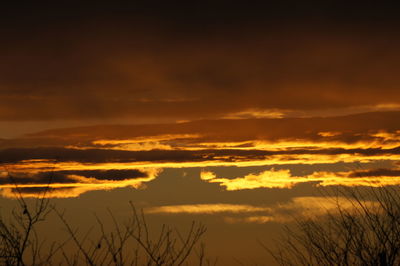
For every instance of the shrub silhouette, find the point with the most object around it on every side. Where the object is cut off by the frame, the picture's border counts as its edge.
(368, 233)
(128, 243)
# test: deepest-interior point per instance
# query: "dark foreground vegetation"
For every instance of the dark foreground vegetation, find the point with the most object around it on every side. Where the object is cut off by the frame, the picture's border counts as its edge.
(124, 243)
(363, 231)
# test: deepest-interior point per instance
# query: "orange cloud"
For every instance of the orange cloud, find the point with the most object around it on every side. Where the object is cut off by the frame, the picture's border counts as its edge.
(267, 179)
(311, 207)
(207, 175)
(144, 143)
(255, 113)
(77, 186)
(284, 179)
(206, 209)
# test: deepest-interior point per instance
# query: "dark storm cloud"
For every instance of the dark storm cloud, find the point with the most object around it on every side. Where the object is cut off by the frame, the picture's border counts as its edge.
(189, 61)
(52, 177)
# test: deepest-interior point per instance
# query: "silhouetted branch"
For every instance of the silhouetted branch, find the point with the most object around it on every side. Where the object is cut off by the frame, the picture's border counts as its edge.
(131, 243)
(18, 234)
(128, 243)
(362, 230)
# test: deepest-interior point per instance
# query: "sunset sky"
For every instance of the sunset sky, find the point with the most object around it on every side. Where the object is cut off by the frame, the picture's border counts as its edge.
(233, 114)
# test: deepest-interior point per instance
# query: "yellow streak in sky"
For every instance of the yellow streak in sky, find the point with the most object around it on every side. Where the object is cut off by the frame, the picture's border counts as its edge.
(144, 143)
(329, 133)
(255, 113)
(380, 142)
(284, 179)
(329, 140)
(206, 208)
(310, 207)
(41, 165)
(145, 139)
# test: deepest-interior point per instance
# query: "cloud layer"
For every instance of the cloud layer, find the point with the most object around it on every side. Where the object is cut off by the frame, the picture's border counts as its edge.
(190, 61)
(104, 155)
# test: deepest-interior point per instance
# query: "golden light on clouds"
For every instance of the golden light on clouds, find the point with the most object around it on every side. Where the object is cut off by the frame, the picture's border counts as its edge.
(207, 175)
(206, 209)
(266, 179)
(74, 188)
(255, 113)
(327, 140)
(144, 143)
(284, 212)
(212, 159)
(284, 179)
(255, 142)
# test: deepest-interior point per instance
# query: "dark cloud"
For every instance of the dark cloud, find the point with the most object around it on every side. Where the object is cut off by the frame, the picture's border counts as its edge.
(37, 190)
(36, 178)
(376, 172)
(52, 177)
(187, 142)
(96, 155)
(10, 156)
(191, 61)
(41, 178)
(113, 174)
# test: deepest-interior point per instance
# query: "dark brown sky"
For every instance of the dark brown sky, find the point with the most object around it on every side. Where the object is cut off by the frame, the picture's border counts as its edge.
(180, 60)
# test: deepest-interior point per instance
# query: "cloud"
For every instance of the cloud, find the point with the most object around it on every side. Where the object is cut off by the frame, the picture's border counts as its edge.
(118, 152)
(376, 129)
(59, 159)
(113, 174)
(136, 69)
(207, 175)
(305, 207)
(205, 209)
(284, 179)
(266, 179)
(375, 173)
(284, 212)
(20, 178)
(66, 184)
(291, 140)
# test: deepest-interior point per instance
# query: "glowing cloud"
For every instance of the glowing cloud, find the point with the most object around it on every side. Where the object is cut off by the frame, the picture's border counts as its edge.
(207, 175)
(160, 142)
(255, 113)
(206, 209)
(73, 187)
(311, 207)
(284, 179)
(268, 179)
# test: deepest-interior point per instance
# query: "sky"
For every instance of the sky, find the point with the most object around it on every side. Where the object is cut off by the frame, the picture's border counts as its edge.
(235, 114)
